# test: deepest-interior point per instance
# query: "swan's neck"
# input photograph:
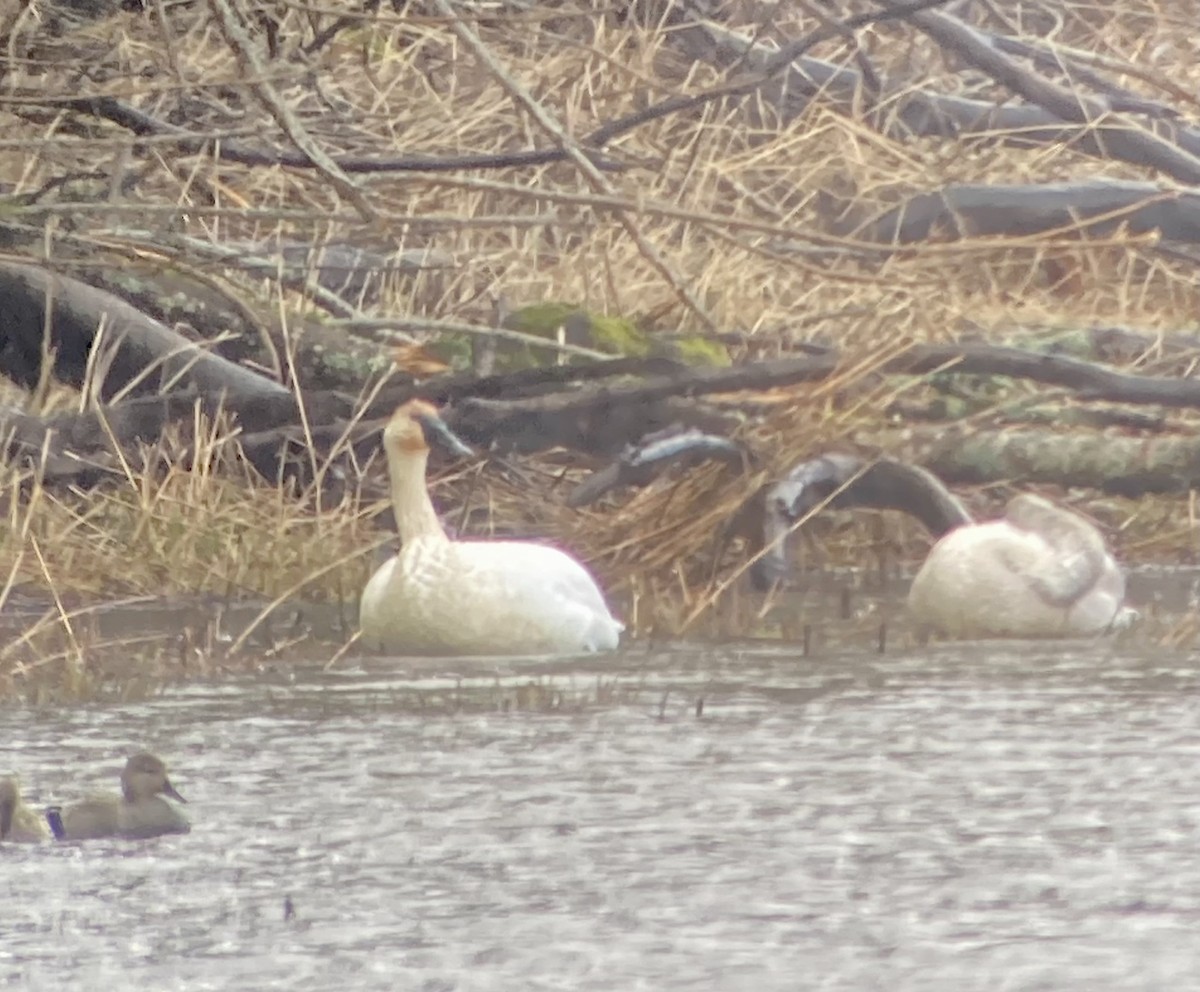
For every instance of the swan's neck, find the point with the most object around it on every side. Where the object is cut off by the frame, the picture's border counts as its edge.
(413, 509)
(895, 485)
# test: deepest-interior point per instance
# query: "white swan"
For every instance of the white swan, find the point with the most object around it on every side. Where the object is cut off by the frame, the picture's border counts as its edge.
(1040, 572)
(492, 598)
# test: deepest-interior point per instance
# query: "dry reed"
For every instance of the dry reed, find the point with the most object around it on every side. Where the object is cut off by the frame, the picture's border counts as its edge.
(709, 224)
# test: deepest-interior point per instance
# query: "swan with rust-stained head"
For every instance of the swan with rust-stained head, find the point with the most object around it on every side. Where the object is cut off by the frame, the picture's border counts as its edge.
(1041, 571)
(18, 823)
(140, 810)
(490, 598)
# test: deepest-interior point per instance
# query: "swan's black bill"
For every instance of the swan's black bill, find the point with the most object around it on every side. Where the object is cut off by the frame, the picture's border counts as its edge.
(438, 433)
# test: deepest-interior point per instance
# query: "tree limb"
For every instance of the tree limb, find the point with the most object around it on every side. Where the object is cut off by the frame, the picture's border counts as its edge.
(1154, 146)
(907, 112)
(139, 354)
(1098, 207)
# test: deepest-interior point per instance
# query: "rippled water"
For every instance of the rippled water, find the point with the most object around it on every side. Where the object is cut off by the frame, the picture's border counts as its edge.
(999, 817)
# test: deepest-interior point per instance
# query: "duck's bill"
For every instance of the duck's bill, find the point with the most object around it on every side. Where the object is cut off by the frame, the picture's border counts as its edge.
(438, 433)
(169, 790)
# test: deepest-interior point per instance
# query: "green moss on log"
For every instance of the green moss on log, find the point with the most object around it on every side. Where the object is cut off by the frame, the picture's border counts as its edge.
(571, 324)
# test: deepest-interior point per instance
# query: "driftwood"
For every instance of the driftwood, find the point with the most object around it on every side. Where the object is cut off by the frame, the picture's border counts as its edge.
(1089, 380)
(140, 123)
(1120, 465)
(272, 426)
(1097, 207)
(56, 315)
(1112, 126)
(603, 408)
(912, 112)
(640, 464)
(1063, 62)
(555, 406)
(224, 313)
(1130, 467)
(1152, 143)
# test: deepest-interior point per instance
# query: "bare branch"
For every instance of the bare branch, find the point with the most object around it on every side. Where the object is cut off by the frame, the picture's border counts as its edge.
(1122, 138)
(575, 154)
(1098, 207)
(140, 123)
(233, 27)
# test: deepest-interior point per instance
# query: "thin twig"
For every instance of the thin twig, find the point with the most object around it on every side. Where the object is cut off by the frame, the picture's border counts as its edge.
(238, 38)
(574, 152)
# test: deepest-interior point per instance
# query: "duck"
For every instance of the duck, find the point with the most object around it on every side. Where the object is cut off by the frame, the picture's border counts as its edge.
(439, 597)
(140, 811)
(18, 823)
(1041, 571)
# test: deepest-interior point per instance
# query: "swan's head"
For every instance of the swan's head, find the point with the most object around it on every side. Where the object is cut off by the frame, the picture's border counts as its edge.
(146, 775)
(792, 499)
(415, 426)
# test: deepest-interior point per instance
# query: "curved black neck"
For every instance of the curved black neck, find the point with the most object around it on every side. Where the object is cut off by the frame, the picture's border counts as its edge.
(848, 481)
(889, 485)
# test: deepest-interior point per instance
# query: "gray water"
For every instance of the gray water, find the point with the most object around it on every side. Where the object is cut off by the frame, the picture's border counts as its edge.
(1012, 817)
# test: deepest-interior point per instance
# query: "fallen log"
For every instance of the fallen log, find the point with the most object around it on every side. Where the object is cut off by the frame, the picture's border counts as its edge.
(563, 406)
(1151, 143)
(1116, 464)
(98, 341)
(910, 112)
(1096, 208)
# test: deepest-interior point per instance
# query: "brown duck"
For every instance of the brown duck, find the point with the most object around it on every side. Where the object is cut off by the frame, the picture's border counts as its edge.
(140, 811)
(18, 823)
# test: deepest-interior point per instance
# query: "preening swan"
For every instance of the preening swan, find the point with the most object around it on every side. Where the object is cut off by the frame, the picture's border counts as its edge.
(140, 810)
(1039, 572)
(492, 598)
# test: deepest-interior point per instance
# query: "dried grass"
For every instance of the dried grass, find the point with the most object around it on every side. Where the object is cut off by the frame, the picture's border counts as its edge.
(707, 227)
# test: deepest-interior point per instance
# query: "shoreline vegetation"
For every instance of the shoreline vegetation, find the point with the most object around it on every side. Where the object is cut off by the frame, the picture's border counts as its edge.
(233, 246)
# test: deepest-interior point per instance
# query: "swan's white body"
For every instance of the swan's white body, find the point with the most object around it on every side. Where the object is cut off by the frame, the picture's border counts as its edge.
(1041, 572)
(489, 598)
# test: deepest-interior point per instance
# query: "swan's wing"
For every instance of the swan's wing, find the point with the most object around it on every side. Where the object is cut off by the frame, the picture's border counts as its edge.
(1073, 557)
(1057, 576)
(534, 577)
(1064, 581)
(575, 583)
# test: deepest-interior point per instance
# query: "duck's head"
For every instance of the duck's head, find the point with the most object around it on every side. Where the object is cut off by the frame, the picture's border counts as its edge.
(416, 426)
(146, 775)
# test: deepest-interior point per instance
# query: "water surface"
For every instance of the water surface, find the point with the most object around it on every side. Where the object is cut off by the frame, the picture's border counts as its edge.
(995, 817)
